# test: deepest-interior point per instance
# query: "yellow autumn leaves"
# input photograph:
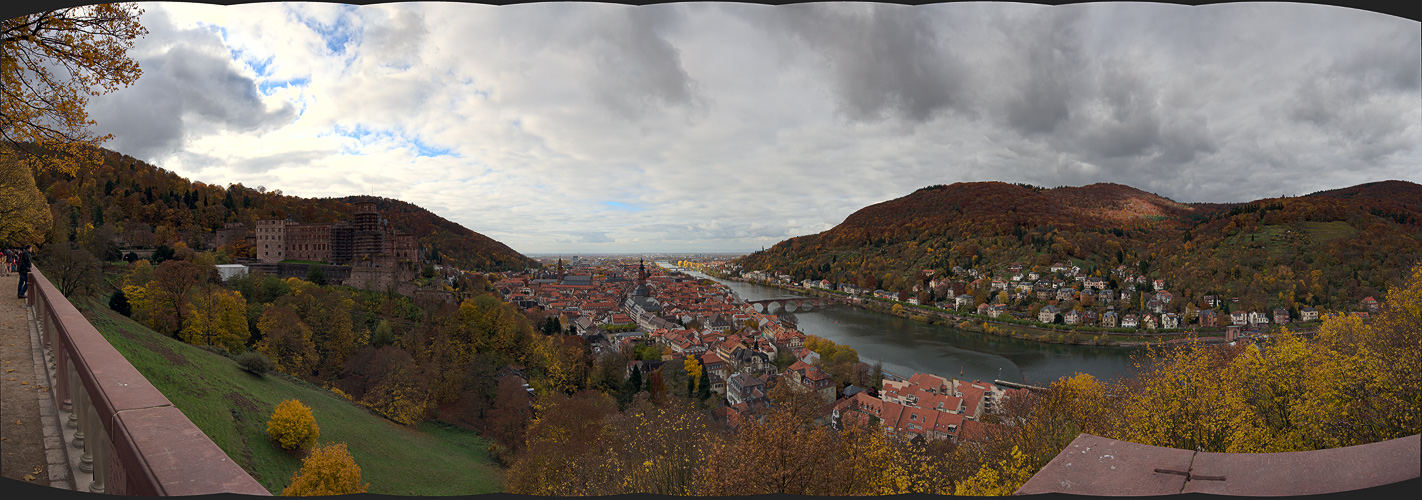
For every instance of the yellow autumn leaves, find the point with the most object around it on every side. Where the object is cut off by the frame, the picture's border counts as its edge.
(292, 425)
(1352, 382)
(326, 470)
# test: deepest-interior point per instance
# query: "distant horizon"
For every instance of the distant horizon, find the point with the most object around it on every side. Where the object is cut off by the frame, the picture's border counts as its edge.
(565, 127)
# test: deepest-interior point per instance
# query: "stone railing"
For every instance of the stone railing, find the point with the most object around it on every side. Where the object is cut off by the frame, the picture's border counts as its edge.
(1099, 466)
(133, 440)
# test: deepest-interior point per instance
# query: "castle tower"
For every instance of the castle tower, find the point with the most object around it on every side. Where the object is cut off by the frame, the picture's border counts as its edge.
(367, 217)
(367, 240)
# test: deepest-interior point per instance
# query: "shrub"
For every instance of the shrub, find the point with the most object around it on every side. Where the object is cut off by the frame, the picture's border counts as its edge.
(292, 425)
(328, 470)
(119, 303)
(254, 362)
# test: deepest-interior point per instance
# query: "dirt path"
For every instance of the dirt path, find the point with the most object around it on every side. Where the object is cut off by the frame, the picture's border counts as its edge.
(22, 446)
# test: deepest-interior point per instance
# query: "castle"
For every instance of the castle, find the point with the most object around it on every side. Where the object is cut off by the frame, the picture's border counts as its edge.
(378, 256)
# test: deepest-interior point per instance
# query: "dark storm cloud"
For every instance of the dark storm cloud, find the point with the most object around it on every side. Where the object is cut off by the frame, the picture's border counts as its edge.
(1353, 100)
(1050, 65)
(882, 60)
(189, 84)
(635, 68)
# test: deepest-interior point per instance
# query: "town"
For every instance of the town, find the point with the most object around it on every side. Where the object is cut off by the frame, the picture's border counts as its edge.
(626, 307)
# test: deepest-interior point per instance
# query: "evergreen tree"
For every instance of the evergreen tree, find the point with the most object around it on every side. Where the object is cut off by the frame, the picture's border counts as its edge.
(316, 274)
(629, 388)
(118, 302)
(704, 391)
(162, 253)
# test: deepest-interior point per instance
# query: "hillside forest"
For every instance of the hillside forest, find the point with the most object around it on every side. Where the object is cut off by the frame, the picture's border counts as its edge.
(1326, 250)
(124, 202)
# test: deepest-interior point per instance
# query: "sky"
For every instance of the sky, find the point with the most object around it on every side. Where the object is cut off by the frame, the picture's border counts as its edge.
(587, 127)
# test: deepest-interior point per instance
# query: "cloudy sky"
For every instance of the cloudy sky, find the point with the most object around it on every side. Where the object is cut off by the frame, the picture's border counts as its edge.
(727, 127)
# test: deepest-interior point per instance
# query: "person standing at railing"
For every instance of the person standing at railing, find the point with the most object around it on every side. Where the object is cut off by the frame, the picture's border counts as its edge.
(9, 263)
(23, 267)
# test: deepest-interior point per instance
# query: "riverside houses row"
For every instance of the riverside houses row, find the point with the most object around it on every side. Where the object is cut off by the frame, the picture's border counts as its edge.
(1063, 293)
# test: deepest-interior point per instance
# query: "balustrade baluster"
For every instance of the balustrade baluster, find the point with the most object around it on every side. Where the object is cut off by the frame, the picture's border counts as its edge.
(74, 396)
(100, 442)
(86, 423)
(61, 369)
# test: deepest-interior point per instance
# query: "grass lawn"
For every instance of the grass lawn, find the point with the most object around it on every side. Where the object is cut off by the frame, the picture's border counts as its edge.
(232, 406)
(1329, 231)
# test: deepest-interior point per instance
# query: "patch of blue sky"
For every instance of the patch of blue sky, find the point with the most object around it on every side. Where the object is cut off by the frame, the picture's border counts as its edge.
(338, 35)
(266, 87)
(424, 149)
(221, 30)
(262, 67)
(367, 136)
(623, 206)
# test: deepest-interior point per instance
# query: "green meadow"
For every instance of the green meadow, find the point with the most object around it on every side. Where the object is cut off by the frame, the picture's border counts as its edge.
(232, 406)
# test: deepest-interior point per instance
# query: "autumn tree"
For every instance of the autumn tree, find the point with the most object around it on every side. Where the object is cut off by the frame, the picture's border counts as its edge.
(328, 470)
(286, 340)
(24, 215)
(396, 388)
(512, 410)
(292, 425)
(561, 360)
(786, 454)
(646, 448)
(328, 314)
(693, 370)
(219, 318)
(71, 268)
(50, 63)
(172, 281)
(559, 443)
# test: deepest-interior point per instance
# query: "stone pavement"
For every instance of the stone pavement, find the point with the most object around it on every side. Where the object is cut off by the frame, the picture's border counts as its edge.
(31, 440)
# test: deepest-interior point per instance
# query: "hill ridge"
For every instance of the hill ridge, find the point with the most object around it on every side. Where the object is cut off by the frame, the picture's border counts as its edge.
(176, 208)
(1279, 251)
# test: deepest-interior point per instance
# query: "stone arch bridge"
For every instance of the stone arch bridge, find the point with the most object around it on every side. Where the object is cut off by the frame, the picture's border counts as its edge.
(794, 304)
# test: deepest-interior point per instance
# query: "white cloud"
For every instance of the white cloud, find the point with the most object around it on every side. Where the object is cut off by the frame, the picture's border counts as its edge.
(564, 127)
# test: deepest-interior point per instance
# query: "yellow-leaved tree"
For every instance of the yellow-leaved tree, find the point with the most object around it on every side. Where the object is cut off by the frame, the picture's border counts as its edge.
(328, 470)
(24, 215)
(50, 63)
(292, 425)
(286, 340)
(999, 479)
(693, 371)
(219, 318)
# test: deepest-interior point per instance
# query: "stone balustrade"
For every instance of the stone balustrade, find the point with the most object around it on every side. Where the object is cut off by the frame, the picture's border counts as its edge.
(130, 439)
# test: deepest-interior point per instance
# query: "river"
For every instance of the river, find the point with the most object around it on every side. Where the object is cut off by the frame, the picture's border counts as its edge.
(906, 347)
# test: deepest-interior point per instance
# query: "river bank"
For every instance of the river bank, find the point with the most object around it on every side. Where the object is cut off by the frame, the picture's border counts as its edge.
(1089, 336)
(907, 346)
